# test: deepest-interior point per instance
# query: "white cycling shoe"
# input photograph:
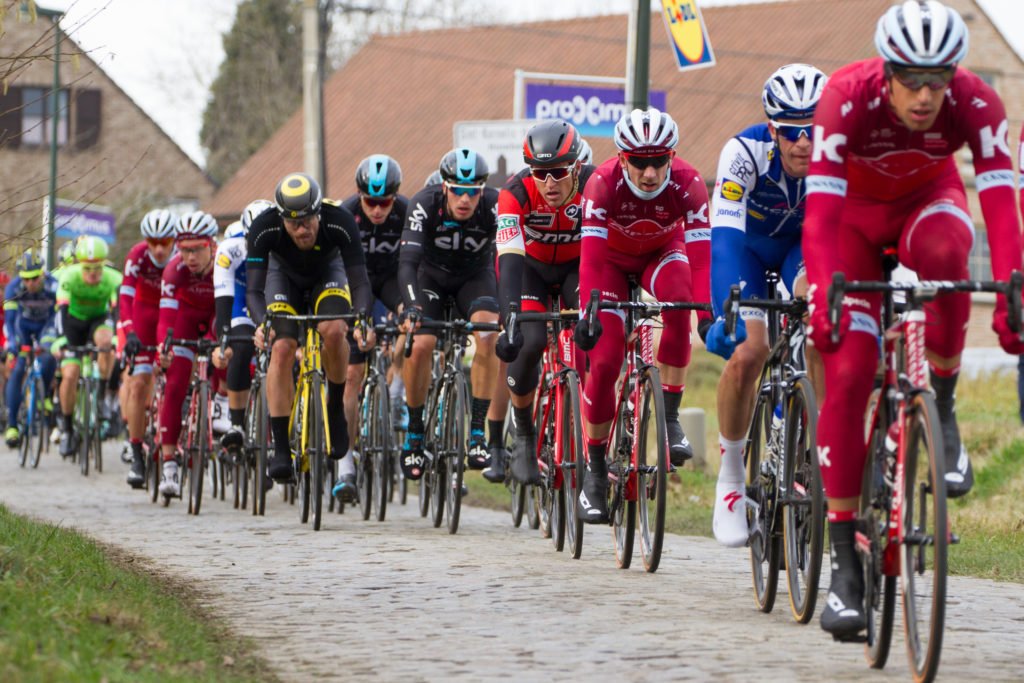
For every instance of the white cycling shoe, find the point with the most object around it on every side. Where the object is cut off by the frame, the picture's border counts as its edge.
(730, 520)
(169, 482)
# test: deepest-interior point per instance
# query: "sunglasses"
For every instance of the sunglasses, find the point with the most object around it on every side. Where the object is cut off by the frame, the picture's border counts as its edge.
(159, 241)
(643, 163)
(556, 173)
(192, 251)
(915, 80)
(378, 202)
(793, 131)
(465, 190)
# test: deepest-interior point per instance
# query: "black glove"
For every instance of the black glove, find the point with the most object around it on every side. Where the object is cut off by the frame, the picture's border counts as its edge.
(585, 337)
(132, 344)
(508, 349)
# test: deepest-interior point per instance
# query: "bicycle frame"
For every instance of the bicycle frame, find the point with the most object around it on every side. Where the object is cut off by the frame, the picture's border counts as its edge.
(309, 365)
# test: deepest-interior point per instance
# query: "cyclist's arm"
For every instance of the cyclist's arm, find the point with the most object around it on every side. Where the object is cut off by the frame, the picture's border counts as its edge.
(411, 250)
(511, 247)
(224, 266)
(63, 300)
(258, 245)
(11, 314)
(697, 235)
(126, 301)
(728, 222)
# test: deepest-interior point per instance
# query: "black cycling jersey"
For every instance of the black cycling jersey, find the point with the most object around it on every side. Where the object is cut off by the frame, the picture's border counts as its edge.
(380, 242)
(337, 237)
(433, 237)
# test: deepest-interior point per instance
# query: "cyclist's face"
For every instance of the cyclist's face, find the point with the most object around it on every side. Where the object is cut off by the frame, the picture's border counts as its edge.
(33, 284)
(462, 206)
(160, 249)
(651, 177)
(796, 156)
(555, 192)
(916, 109)
(92, 273)
(303, 231)
(196, 254)
(377, 209)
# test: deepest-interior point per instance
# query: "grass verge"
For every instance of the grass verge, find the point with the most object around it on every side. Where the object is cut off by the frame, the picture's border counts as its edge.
(71, 610)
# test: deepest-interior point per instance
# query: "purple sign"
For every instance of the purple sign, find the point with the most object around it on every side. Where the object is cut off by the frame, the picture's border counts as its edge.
(594, 111)
(73, 220)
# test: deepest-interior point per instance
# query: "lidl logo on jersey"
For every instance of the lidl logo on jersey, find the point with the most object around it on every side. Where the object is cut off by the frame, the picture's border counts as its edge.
(224, 261)
(732, 191)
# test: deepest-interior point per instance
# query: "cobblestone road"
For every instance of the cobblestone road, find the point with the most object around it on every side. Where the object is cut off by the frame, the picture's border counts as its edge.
(402, 600)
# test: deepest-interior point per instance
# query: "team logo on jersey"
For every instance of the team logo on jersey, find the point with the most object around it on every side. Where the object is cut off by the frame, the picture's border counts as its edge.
(990, 142)
(732, 191)
(827, 146)
(223, 261)
(741, 167)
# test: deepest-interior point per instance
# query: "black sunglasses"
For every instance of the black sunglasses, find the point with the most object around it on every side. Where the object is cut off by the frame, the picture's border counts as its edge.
(642, 163)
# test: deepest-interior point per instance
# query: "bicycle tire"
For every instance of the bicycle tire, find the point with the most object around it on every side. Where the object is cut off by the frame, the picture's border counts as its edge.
(155, 462)
(199, 449)
(261, 447)
(765, 544)
(651, 478)
(96, 429)
(24, 413)
(38, 430)
(546, 499)
(804, 512)
(621, 509)
(382, 451)
(82, 428)
(572, 457)
(923, 548)
(879, 590)
(455, 468)
(435, 474)
(318, 450)
(367, 445)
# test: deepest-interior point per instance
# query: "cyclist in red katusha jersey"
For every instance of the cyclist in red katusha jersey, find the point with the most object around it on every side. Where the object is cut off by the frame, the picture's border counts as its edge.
(138, 313)
(539, 218)
(187, 309)
(645, 215)
(882, 172)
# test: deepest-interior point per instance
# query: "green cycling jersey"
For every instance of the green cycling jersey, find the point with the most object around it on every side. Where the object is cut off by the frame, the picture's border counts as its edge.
(86, 301)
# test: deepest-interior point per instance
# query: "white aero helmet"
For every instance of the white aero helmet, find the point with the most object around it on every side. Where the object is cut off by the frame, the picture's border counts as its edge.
(196, 225)
(922, 33)
(158, 224)
(235, 229)
(793, 91)
(254, 208)
(646, 131)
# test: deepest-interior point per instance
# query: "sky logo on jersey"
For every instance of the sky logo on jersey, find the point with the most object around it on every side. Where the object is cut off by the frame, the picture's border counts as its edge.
(732, 191)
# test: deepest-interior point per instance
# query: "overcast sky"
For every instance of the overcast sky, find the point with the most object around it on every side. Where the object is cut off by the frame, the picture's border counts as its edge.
(165, 53)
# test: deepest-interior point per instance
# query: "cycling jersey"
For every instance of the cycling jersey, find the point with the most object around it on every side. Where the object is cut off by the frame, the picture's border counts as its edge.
(432, 237)
(27, 312)
(140, 288)
(85, 301)
(380, 242)
(337, 239)
(757, 213)
(229, 287)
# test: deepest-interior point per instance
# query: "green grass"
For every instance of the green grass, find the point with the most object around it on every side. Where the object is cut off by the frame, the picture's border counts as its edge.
(70, 610)
(989, 521)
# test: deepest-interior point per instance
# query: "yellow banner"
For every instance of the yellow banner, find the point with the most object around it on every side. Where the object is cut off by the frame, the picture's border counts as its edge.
(687, 34)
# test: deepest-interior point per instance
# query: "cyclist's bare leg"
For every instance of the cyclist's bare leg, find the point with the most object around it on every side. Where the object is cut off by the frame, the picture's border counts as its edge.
(737, 386)
(70, 372)
(484, 373)
(353, 382)
(815, 366)
(139, 394)
(416, 370)
(105, 359)
(280, 386)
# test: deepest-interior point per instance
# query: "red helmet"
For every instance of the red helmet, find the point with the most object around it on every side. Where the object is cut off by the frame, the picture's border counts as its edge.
(552, 143)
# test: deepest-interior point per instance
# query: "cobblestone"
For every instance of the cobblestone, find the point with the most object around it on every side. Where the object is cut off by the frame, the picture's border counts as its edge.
(402, 600)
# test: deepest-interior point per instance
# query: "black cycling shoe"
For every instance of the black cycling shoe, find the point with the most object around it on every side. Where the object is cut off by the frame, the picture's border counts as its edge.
(495, 472)
(959, 473)
(280, 469)
(68, 444)
(233, 438)
(593, 500)
(843, 616)
(679, 448)
(524, 460)
(137, 474)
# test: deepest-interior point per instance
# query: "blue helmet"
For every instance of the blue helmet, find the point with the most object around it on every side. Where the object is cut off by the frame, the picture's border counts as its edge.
(463, 166)
(378, 176)
(30, 264)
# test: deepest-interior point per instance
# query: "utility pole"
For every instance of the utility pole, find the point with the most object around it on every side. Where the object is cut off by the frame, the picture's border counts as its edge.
(312, 91)
(638, 57)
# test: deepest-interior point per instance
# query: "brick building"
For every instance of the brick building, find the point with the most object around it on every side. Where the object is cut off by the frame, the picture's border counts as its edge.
(402, 94)
(109, 151)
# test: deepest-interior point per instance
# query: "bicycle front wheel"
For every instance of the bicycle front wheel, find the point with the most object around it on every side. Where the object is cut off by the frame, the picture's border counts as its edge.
(380, 440)
(651, 476)
(96, 428)
(875, 504)
(24, 417)
(765, 543)
(200, 450)
(924, 539)
(457, 405)
(803, 511)
(37, 431)
(317, 452)
(571, 458)
(621, 507)
(257, 446)
(84, 411)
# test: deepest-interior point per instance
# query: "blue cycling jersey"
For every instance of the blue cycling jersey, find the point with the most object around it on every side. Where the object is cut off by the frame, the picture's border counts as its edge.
(27, 314)
(756, 218)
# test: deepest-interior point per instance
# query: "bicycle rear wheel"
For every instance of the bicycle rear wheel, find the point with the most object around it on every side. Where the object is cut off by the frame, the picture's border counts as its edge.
(765, 543)
(923, 546)
(257, 446)
(875, 503)
(803, 513)
(651, 476)
(571, 449)
(317, 452)
(200, 450)
(455, 449)
(621, 509)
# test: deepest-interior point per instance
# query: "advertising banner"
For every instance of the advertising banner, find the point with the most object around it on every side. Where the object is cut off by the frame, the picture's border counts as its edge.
(687, 34)
(73, 219)
(593, 111)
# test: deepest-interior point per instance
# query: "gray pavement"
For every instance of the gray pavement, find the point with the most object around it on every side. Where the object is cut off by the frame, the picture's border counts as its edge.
(402, 600)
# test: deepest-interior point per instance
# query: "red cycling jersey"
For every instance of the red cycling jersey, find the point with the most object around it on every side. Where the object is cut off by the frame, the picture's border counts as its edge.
(140, 286)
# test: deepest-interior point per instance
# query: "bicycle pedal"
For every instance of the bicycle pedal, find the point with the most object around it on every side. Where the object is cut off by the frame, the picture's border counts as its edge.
(856, 638)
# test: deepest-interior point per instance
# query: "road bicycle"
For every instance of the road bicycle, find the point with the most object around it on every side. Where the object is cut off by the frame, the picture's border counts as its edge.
(258, 440)
(559, 429)
(376, 438)
(446, 412)
(902, 525)
(33, 416)
(638, 460)
(785, 501)
(88, 423)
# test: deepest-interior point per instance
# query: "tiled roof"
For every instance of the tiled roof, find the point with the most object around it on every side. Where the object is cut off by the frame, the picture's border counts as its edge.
(401, 95)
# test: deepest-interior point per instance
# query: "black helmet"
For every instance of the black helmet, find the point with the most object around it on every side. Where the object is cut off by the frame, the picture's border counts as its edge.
(463, 166)
(433, 179)
(298, 196)
(378, 176)
(552, 143)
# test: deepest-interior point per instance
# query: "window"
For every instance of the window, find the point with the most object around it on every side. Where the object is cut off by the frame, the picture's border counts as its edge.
(979, 263)
(36, 117)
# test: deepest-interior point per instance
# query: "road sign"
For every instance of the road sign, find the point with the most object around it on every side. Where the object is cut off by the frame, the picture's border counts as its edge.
(500, 142)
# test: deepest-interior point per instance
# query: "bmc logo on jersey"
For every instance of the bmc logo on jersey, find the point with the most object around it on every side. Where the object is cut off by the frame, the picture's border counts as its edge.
(991, 142)
(592, 212)
(827, 145)
(732, 191)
